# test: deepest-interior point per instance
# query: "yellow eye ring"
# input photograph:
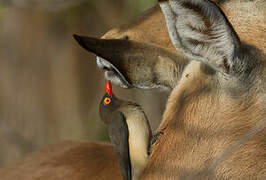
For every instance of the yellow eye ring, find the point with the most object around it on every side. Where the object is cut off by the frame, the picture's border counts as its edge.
(107, 100)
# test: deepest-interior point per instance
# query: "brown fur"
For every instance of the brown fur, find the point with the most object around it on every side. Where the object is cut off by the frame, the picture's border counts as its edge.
(202, 122)
(67, 160)
(195, 133)
(155, 30)
(244, 20)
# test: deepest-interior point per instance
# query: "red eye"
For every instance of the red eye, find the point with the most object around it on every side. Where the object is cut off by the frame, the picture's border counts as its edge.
(107, 100)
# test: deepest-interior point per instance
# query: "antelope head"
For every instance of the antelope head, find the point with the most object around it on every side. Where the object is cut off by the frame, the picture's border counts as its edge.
(138, 55)
(141, 55)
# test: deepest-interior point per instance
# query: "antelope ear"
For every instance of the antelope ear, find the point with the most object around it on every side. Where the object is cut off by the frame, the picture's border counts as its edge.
(134, 64)
(200, 30)
(107, 57)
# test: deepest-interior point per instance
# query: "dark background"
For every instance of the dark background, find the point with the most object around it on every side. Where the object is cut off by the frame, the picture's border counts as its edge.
(50, 88)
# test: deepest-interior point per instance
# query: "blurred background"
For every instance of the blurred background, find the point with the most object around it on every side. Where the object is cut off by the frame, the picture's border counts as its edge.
(50, 87)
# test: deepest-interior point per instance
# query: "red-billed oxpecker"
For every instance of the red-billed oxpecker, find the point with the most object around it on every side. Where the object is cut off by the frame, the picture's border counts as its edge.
(129, 131)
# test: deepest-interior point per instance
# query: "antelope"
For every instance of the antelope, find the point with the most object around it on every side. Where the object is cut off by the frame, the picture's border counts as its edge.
(214, 123)
(67, 160)
(212, 63)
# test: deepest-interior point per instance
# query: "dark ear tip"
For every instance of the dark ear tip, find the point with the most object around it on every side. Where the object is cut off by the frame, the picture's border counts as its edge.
(77, 38)
(80, 40)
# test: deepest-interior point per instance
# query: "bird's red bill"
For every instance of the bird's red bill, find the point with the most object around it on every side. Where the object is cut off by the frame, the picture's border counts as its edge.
(108, 88)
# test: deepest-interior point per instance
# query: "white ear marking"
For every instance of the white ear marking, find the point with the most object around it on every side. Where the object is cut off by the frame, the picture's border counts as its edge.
(201, 32)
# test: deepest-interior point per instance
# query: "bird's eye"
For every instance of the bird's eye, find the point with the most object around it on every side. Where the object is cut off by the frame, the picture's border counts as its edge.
(107, 100)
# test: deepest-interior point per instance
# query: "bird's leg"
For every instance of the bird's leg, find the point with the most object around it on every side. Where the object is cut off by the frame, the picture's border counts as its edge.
(154, 139)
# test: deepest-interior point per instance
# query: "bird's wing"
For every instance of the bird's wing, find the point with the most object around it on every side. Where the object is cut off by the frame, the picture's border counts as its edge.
(118, 132)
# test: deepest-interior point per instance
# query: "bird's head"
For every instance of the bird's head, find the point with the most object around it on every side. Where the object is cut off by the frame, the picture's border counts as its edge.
(109, 103)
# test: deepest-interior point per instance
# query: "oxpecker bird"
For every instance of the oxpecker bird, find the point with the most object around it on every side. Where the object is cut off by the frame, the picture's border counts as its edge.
(129, 131)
